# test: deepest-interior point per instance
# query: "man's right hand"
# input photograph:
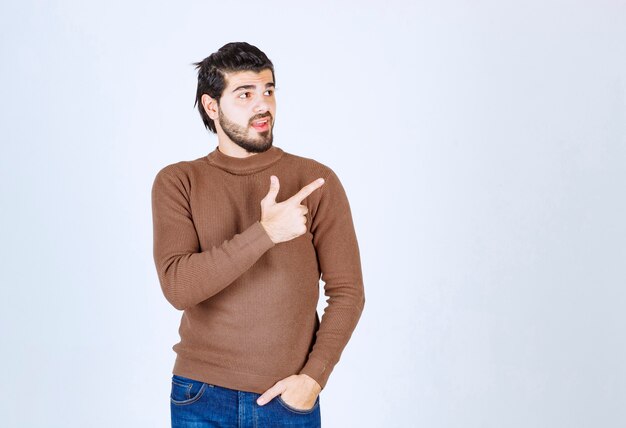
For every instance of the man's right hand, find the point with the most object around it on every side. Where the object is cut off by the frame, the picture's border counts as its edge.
(286, 220)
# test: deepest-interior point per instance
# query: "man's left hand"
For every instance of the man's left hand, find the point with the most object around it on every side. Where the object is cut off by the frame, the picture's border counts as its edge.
(299, 391)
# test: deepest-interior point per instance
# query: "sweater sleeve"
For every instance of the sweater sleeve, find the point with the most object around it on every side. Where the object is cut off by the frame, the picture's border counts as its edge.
(337, 250)
(187, 275)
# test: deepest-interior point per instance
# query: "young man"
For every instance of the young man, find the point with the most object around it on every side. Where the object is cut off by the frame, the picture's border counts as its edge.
(241, 239)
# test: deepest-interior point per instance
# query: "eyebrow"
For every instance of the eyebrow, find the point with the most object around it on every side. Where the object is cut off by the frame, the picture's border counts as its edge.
(267, 85)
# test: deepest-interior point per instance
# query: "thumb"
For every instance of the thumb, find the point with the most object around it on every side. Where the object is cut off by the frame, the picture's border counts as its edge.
(274, 187)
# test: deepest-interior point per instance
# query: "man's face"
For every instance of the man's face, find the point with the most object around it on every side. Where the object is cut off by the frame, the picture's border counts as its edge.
(247, 109)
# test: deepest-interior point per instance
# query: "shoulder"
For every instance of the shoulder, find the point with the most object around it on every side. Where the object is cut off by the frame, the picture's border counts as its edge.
(182, 169)
(306, 165)
(178, 175)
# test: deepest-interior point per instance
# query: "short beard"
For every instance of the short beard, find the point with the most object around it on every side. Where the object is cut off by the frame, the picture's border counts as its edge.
(239, 135)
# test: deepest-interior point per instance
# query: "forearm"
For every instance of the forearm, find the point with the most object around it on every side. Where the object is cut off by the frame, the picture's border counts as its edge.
(341, 315)
(190, 278)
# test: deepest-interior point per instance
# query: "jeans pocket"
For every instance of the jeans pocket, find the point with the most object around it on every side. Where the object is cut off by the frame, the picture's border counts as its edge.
(185, 390)
(295, 410)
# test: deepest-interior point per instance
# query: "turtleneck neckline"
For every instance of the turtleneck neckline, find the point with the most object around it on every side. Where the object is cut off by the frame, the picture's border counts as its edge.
(247, 165)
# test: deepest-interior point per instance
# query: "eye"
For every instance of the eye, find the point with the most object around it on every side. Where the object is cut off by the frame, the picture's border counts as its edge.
(271, 92)
(244, 95)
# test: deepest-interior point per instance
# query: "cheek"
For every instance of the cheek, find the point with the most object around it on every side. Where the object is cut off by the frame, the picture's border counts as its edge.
(240, 118)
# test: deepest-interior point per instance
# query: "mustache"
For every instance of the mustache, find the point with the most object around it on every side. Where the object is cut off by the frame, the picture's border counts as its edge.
(255, 118)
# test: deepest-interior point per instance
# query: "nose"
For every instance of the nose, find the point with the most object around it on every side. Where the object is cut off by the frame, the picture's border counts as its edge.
(261, 106)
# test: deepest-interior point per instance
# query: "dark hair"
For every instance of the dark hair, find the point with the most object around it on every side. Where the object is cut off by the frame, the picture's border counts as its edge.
(234, 56)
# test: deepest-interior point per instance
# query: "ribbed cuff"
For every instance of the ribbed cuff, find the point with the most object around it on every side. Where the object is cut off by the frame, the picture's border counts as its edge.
(318, 370)
(261, 237)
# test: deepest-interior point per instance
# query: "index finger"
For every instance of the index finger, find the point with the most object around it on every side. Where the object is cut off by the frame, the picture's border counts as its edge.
(277, 389)
(306, 190)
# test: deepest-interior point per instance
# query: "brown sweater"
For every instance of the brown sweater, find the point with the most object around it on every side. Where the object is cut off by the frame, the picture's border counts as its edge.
(249, 304)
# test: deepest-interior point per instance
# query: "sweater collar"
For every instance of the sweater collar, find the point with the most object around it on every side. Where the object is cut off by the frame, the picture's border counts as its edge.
(244, 166)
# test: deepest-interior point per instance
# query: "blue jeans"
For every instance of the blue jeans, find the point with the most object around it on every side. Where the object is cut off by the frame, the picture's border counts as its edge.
(196, 404)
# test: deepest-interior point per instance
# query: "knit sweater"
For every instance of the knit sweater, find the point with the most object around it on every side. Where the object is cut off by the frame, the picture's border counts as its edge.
(250, 305)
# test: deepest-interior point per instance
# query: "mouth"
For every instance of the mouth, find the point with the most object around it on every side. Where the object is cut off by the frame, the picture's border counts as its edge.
(261, 124)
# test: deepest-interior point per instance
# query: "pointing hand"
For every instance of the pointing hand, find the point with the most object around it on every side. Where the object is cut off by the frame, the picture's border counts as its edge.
(286, 220)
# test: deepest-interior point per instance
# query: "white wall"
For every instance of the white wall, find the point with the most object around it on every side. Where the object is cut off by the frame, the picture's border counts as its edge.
(483, 148)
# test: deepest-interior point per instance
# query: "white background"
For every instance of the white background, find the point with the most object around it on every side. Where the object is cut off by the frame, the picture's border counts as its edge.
(482, 145)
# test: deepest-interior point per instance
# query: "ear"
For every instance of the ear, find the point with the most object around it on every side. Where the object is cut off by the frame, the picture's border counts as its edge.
(210, 106)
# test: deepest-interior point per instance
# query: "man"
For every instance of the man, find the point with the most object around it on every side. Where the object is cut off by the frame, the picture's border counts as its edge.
(241, 239)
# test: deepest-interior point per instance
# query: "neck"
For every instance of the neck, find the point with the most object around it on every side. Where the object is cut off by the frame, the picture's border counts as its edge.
(244, 165)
